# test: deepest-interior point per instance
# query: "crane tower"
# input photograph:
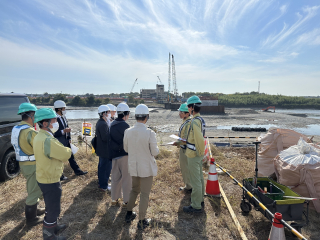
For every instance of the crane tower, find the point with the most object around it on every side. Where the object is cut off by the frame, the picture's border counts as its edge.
(175, 90)
(169, 79)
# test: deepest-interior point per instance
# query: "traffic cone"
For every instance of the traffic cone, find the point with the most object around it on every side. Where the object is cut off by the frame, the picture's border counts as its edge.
(212, 187)
(277, 229)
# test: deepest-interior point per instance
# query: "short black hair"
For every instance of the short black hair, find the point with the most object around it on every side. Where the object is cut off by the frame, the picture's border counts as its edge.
(40, 123)
(125, 113)
(141, 118)
(57, 109)
(196, 107)
(25, 115)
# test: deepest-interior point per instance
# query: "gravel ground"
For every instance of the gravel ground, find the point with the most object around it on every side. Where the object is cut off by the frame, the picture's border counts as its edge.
(167, 122)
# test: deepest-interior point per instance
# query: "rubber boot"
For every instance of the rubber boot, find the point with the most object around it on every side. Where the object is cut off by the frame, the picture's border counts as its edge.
(31, 215)
(48, 232)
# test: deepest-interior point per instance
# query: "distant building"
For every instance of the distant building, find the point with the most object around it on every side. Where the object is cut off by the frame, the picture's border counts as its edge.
(157, 93)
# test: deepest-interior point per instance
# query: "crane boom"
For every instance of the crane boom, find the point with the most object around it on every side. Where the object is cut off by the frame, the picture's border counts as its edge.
(159, 80)
(135, 81)
(174, 80)
(169, 79)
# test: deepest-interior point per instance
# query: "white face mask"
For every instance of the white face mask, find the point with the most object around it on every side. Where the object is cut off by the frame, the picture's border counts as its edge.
(64, 112)
(109, 116)
(55, 127)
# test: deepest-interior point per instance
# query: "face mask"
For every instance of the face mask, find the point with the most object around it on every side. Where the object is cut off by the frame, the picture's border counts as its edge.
(55, 127)
(109, 116)
(64, 112)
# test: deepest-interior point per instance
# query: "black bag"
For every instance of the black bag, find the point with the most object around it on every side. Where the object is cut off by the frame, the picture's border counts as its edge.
(94, 142)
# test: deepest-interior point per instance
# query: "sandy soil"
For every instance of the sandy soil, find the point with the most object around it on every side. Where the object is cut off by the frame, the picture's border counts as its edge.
(167, 122)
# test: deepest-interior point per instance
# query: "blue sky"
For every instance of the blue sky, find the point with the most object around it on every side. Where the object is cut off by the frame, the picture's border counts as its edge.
(84, 46)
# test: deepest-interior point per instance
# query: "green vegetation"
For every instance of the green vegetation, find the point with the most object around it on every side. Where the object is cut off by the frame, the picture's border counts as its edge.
(89, 100)
(254, 99)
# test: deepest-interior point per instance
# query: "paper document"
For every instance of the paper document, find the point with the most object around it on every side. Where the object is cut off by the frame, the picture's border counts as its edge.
(178, 138)
(169, 143)
(74, 149)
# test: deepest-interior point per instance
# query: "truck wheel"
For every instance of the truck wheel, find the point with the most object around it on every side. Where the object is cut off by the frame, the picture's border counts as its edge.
(9, 167)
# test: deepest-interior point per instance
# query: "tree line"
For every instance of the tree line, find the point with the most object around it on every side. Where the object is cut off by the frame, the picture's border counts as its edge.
(255, 99)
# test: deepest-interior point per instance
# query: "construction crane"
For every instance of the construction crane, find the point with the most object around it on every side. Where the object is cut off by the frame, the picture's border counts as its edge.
(169, 79)
(135, 81)
(159, 80)
(175, 90)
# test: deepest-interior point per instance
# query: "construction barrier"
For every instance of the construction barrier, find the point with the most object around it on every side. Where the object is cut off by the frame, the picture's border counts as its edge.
(294, 231)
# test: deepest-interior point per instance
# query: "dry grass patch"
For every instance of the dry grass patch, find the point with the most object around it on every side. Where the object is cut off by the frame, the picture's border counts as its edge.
(89, 213)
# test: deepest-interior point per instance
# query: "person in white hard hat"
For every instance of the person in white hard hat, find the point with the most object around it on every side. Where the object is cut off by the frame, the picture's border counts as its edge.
(141, 145)
(103, 148)
(120, 177)
(113, 111)
(64, 135)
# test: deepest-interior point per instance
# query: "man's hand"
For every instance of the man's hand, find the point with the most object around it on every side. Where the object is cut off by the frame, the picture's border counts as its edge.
(67, 130)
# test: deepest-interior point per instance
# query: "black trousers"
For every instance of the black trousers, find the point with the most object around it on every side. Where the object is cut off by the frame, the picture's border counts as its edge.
(73, 164)
(52, 199)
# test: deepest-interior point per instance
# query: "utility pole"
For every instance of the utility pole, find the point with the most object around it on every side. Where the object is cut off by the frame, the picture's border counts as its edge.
(169, 79)
(174, 79)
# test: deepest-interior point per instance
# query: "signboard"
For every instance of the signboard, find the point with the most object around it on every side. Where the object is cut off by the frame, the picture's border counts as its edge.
(86, 129)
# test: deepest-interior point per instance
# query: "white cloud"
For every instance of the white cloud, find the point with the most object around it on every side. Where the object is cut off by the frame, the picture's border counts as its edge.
(310, 38)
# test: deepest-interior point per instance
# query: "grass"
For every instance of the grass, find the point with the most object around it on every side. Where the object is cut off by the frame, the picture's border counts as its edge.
(89, 214)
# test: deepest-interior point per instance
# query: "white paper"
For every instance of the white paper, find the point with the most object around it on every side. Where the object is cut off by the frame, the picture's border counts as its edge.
(169, 143)
(176, 137)
(74, 149)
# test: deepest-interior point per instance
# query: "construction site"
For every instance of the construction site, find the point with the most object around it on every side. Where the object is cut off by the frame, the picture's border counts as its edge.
(171, 98)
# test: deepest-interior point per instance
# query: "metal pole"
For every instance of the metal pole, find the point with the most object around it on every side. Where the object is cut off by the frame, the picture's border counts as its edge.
(256, 170)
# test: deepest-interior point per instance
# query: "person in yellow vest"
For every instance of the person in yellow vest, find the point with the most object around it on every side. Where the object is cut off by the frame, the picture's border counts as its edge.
(50, 155)
(22, 137)
(195, 153)
(185, 116)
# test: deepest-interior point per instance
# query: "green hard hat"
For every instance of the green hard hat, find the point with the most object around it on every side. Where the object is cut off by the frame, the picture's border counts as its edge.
(27, 107)
(44, 113)
(183, 108)
(193, 99)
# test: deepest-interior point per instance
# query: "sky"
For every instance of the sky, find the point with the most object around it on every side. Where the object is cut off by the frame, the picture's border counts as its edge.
(102, 46)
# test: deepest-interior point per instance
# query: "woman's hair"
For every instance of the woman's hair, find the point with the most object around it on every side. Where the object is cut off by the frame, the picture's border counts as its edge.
(196, 107)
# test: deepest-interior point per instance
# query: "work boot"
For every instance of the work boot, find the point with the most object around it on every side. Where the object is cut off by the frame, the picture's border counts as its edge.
(142, 224)
(31, 215)
(48, 232)
(190, 209)
(130, 216)
(185, 190)
(60, 228)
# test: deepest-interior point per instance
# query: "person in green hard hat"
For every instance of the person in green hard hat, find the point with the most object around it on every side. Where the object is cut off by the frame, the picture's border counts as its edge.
(185, 116)
(50, 155)
(22, 137)
(195, 153)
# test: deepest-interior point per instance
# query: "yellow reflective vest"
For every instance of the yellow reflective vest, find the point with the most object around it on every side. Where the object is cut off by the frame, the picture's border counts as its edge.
(195, 139)
(50, 155)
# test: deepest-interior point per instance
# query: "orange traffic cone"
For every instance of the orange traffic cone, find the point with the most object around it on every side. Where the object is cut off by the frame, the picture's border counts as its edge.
(212, 187)
(277, 229)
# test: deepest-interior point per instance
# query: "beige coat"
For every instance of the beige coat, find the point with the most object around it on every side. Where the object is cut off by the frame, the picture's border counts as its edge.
(141, 145)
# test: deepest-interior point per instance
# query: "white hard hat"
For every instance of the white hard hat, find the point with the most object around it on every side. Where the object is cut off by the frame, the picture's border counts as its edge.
(141, 109)
(103, 108)
(112, 107)
(59, 104)
(122, 107)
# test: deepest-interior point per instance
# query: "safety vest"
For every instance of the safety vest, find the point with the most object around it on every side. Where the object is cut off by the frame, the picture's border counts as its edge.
(192, 146)
(180, 129)
(20, 155)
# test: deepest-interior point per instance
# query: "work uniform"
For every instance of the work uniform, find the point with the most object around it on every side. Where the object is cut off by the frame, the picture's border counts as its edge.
(195, 153)
(22, 139)
(183, 131)
(50, 155)
(141, 145)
